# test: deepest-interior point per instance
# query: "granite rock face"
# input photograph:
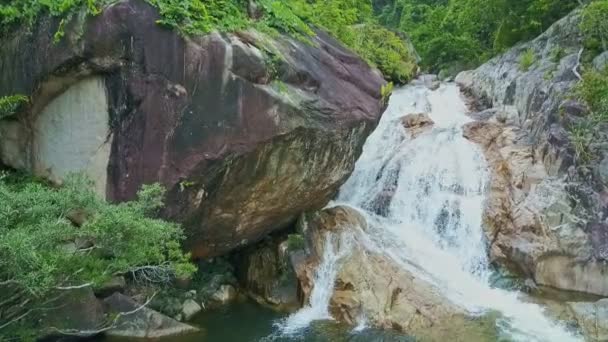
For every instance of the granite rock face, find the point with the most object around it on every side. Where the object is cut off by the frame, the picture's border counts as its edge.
(547, 213)
(136, 321)
(244, 130)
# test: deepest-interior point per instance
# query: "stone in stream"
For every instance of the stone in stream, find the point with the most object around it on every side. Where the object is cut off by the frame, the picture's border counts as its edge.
(190, 308)
(76, 310)
(243, 139)
(417, 123)
(115, 284)
(224, 295)
(430, 81)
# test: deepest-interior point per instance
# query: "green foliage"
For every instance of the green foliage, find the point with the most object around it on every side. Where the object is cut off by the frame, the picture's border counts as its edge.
(526, 60)
(9, 105)
(42, 249)
(199, 16)
(280, 16)
(385, 50)
(581, 137)
(295, 242)
(386, 91)
(351, 22)
(467, 32)
(595, 24)
(24, 13)
(593, 90)
(557, 53)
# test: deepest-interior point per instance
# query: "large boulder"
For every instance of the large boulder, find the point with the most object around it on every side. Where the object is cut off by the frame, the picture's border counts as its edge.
(76, 311)
(245, 130)
(417, 123)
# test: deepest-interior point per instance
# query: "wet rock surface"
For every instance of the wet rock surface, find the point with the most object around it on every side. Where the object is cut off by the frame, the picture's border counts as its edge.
(267, 273)
(371, 285)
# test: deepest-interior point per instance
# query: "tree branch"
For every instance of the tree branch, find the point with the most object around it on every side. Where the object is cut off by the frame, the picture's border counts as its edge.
(73, 287)
(15, 319)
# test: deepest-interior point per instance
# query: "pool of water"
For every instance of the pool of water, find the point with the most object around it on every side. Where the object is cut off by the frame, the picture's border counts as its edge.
(247, 321)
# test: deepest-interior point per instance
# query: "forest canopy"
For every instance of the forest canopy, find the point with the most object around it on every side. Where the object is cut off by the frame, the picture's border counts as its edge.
(453, 35)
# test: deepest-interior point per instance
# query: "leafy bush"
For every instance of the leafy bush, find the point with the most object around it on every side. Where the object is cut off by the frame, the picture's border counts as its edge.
(9, 105)
(465, 33)
(295, 242)
(593, 90)
(595, 23)
(386, 91)
(199, 16)
(52, 239)
(25, 12)
(385, 50)
(526, 60)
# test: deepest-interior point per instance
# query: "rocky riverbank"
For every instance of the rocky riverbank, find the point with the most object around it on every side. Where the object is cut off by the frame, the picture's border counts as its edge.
(546, 217)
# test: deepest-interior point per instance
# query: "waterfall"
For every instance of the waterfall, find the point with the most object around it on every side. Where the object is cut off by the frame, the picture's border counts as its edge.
(424, 201)
(335, 249)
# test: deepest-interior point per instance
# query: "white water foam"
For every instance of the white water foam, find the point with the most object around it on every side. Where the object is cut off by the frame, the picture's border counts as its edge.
(334, 250)
(423, 199)
(433, 224)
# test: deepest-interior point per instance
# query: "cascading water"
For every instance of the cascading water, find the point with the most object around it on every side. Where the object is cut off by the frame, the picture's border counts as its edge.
(424, 199)
(325, 275)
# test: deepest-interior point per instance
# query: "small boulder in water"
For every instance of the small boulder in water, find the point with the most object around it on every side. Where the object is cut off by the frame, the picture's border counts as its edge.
(417, 123)
(224, 295)
(141, 322)
(190, 308)
(430, 81)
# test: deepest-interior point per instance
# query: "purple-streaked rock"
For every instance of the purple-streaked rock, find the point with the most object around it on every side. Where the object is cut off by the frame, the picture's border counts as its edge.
(243, 141)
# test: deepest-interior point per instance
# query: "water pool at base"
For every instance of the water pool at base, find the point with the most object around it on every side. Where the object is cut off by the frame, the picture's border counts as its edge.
(246, 321)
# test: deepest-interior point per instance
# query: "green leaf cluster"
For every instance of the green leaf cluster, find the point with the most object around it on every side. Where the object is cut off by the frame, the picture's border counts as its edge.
(53, 237)
(458, 34)
(24, 13)
(9, 105)
(353, 23)
(527, 59)
(593, 90)
(595, 25)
